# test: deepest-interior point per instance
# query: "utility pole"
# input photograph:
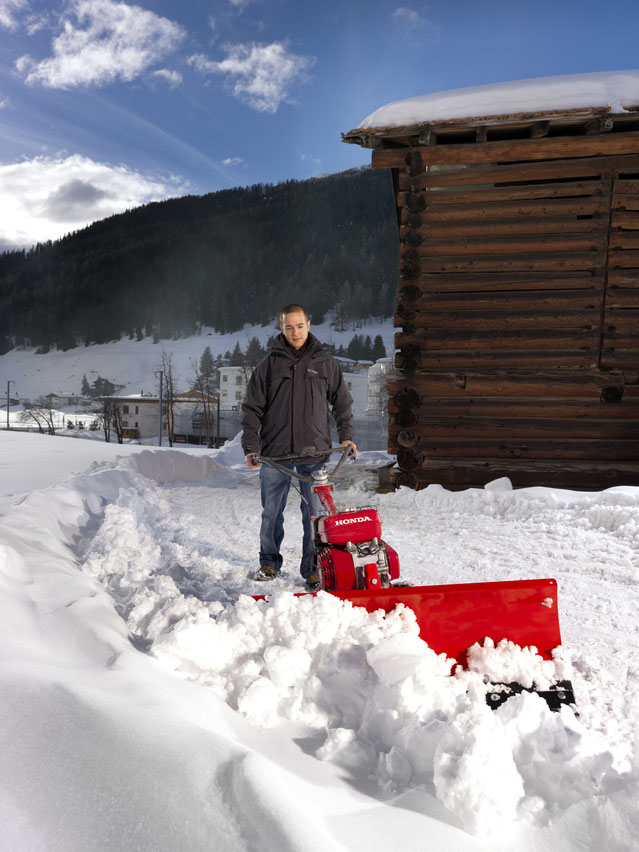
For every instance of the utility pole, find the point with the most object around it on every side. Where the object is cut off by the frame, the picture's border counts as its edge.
(160, 373)
(217, 437)
(8, 385)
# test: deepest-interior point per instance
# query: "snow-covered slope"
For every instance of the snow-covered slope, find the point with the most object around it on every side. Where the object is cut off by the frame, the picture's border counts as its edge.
(144, 708)
(133, 363)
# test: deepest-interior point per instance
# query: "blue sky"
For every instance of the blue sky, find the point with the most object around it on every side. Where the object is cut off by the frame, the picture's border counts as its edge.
(105, 105)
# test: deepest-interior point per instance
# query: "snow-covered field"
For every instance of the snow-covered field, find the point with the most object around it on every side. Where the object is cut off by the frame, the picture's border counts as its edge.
(149, 703)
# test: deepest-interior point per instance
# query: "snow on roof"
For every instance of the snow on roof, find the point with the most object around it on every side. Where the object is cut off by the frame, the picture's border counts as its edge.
(608, 91)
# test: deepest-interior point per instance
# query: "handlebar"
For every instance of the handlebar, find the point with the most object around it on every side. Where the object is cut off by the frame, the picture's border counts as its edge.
(305, 453)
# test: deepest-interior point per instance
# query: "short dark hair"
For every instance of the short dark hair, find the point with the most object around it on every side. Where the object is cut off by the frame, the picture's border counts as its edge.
(293, 308)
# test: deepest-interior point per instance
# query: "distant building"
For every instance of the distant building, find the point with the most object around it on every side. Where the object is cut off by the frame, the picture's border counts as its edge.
(233, 383)
(62, 400)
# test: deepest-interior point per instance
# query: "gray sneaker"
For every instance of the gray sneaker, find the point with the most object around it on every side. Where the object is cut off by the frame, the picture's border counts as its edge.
(266, 572)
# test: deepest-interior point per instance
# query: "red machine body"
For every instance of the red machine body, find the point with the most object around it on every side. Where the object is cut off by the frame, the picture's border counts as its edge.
(351, 553)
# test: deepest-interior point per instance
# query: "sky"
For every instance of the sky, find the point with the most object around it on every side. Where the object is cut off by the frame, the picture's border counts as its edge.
(107, 105)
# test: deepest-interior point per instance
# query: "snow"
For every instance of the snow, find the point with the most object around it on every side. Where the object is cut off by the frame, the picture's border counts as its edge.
(133, 363)
(149, 702)
(617, 91)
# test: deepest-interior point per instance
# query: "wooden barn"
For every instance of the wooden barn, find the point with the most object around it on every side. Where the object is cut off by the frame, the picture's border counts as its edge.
(518, 299)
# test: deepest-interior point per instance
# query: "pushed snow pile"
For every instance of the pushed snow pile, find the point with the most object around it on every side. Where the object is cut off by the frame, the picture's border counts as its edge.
(383, 704)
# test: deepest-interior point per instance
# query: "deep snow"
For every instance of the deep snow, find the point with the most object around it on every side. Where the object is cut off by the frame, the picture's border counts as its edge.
(150, 703)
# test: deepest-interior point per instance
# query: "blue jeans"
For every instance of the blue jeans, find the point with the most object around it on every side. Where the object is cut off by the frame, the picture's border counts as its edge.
(274, 490)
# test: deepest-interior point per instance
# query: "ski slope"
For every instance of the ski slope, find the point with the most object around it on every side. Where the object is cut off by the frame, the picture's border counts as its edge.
(150, 703)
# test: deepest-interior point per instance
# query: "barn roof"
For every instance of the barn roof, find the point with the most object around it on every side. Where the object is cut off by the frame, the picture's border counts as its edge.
(573, 103)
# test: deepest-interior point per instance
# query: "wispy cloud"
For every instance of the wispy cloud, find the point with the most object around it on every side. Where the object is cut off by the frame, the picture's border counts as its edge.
(173, 78)
(46, 197)
(261, 75)
(232, 161)
(408, 20)
(102, 41)
(9, 9)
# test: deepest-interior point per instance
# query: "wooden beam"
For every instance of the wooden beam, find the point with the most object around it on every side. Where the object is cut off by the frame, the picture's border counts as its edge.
(516, 149)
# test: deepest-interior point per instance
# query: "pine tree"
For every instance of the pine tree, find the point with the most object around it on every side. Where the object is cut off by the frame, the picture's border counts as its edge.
(237, 356)
(207, 365)
(367, 352)
(379, 350)
(85, 389)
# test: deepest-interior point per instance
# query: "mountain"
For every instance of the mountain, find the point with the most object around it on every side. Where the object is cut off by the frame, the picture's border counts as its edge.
(220, 260)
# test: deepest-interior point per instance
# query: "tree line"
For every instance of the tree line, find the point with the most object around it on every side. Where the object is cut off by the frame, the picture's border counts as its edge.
(222, 260)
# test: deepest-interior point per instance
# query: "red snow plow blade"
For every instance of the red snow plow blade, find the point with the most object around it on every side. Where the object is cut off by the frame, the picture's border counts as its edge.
(451, 618)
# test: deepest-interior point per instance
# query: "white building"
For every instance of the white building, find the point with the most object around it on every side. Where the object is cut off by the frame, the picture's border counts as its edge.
(233, 383)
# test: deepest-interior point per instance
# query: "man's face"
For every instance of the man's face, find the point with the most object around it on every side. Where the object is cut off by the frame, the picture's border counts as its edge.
(295, 328)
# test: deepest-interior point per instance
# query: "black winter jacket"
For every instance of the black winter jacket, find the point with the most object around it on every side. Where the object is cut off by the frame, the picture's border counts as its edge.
(288, 398)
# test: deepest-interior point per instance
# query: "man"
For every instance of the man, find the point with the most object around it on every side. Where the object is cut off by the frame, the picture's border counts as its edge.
(286, 409)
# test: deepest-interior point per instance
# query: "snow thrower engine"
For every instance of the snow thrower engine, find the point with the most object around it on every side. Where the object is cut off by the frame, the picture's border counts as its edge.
(350, 553)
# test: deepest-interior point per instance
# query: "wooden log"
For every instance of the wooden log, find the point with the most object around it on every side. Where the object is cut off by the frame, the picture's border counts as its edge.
(502, 429)
(622, 298)
(497, 281)
(512, 320)
(475, 228)
(535, 300)
(450, 338)
(503, 359)
(512, 209)
(623, 278)
(625, 240)
(625, 201)
(535, 384)
(536, 448)
(629, 185)
(548, 148)
(518, 407)
(514, 245)
(554, 262)
(622, 320)
(625, 219)
(595, 168)
(619, 359)
(483, 192)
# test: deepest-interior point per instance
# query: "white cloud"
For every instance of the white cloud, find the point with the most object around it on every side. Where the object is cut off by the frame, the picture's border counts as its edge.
(173, 78)
(8, 10)
(102, 41)
(409, 20)
(261, 75)
(232, 161)
(46, 197)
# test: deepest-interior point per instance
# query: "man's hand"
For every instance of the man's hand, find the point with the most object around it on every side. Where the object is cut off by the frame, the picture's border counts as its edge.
(251, 461)
(346, 443)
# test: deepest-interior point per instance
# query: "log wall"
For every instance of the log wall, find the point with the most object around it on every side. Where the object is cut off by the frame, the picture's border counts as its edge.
(517, 313)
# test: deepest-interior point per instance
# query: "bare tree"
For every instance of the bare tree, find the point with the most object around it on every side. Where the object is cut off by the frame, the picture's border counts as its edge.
(103, 417)
(41, 413)
(202, 384)
(116, 420)
(167, 366)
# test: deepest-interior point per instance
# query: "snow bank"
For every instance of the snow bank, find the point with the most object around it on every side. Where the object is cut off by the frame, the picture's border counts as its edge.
(370, 695)
(387, 705)
(616, 90)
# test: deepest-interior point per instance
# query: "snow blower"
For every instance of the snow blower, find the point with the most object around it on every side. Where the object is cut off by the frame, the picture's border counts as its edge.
(354, 563)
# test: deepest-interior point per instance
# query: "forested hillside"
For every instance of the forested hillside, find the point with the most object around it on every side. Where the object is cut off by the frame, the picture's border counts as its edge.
(221, 260)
